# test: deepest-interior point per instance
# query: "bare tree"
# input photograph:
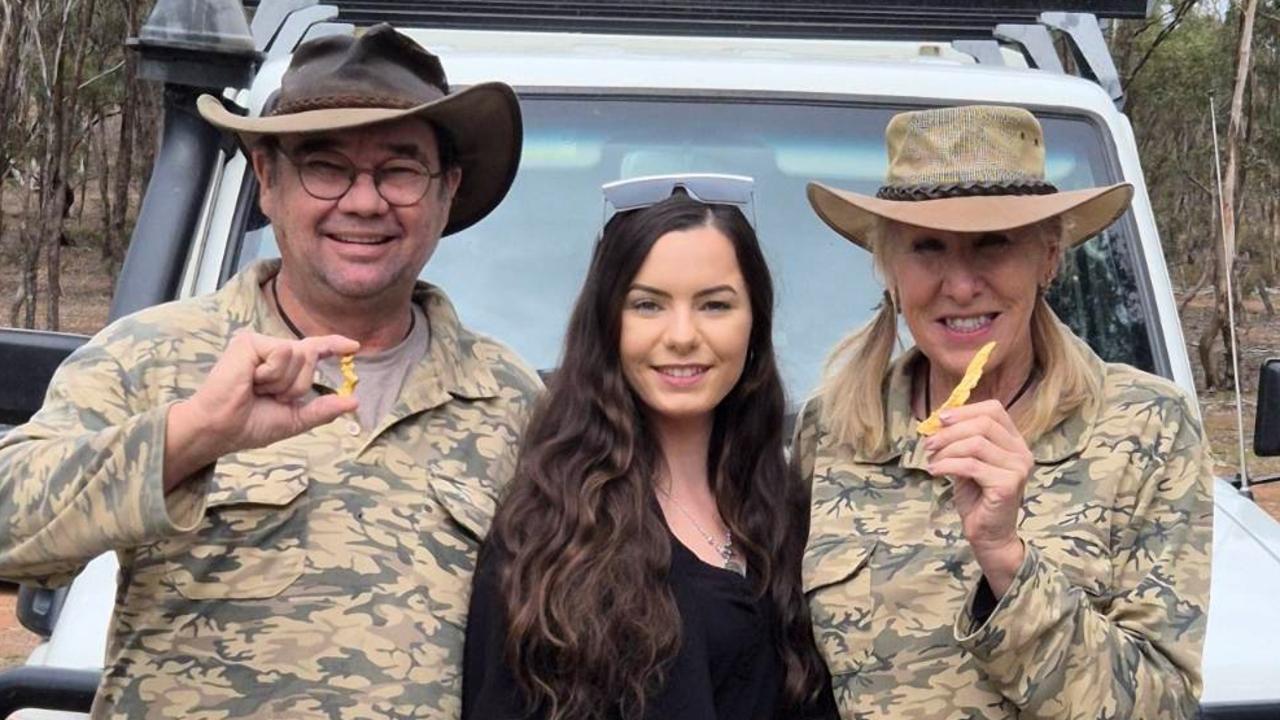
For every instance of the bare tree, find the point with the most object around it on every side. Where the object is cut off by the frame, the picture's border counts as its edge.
(104, 184)
(23, 310)
(13, 142)
(54, 167)
(1225, 252)
(9, 78)
(56, 228)
(117, 237)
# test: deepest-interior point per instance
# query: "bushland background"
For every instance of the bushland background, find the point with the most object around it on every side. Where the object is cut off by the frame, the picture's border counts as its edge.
(78, 134)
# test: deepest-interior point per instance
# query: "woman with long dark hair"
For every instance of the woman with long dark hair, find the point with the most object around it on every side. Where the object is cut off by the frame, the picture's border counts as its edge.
(646, 560)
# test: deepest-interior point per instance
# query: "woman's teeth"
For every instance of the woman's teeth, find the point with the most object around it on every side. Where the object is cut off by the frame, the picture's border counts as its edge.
(969, 324)
(682, 372)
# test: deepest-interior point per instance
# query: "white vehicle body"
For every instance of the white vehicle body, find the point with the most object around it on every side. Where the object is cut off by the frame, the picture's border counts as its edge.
(1241, 664)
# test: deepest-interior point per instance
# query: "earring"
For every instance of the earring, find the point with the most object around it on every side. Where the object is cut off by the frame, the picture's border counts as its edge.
(892, 302)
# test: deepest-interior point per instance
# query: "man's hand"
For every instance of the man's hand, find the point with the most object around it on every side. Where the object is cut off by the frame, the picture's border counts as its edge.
(983, 453)
(252, 398)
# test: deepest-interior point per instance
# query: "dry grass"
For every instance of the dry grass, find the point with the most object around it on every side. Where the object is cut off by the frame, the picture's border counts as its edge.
(1259, 339)
(86, 289)
(15, 641)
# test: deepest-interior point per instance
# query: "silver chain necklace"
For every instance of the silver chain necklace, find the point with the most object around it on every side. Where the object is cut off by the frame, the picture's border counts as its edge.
(724, 550)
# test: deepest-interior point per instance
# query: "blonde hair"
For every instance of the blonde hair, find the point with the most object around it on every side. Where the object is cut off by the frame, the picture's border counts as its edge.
(852, 390)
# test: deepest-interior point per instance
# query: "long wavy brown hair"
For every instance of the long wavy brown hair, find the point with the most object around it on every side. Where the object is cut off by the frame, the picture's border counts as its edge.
(592, 621)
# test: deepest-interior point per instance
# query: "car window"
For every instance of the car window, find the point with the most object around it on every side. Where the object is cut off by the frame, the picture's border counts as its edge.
(515, 275)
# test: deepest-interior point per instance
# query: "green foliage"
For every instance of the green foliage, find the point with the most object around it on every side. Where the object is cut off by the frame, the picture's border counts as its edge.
(1169, 108)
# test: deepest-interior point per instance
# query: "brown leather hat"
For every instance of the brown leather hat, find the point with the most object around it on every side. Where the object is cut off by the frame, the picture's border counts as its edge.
(342, 81)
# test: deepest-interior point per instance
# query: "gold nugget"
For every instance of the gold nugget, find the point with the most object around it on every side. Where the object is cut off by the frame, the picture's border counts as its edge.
(349, 378)
(960, 395)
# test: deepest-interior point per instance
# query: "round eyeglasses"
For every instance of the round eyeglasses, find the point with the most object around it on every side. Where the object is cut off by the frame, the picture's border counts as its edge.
(328, 175)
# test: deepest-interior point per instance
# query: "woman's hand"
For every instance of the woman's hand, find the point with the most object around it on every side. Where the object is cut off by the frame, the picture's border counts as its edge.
(983, 453)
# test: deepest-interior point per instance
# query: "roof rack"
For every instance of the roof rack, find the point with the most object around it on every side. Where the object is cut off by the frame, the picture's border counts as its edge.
(975, 27)
(933, 20)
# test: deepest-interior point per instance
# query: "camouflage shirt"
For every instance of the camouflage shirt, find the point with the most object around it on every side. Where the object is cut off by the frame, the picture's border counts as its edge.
(323, 576)
(1106, 616)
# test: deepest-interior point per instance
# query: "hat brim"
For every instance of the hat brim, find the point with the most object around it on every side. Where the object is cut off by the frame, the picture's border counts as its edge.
(1085, 212)
(483, 120)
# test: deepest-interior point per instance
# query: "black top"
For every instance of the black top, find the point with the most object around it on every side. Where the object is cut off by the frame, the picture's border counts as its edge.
(727, 667)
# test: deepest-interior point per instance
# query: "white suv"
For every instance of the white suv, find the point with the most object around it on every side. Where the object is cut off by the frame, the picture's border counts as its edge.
(786, 94)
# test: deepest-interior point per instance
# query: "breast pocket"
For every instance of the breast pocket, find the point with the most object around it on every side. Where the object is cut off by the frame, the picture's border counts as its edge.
(837, 583)
(469, 506)
(252, 543)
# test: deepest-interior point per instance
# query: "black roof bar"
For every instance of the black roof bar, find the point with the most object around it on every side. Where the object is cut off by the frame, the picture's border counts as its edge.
(933, 20)
(978, 28)
(1035, 42)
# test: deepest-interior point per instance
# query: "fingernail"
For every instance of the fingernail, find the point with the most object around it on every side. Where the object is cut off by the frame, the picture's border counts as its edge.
(945, 417)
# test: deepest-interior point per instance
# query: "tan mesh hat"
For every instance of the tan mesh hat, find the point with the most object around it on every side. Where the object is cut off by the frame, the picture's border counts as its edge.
(976, 168)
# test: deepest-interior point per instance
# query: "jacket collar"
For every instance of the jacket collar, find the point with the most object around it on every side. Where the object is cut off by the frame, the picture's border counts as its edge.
(451, 367)
(1064, 440)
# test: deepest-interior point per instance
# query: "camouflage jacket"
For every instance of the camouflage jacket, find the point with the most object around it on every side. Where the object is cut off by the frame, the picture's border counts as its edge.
(1106, 616)
(323, 576)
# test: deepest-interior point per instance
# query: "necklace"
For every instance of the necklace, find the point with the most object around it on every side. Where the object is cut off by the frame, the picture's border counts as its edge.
(724, 550)
(1026, 385)
(288, 322)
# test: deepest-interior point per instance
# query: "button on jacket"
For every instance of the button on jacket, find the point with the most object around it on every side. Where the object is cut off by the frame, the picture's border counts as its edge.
(326, 575)
(1106, 616)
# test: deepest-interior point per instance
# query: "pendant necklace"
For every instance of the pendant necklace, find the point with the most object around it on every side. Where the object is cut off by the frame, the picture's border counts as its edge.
(723, 549)
(288, 322)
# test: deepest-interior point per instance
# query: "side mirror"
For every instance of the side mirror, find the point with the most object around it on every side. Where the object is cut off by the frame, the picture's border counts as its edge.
(38, 608)
(1266, 425)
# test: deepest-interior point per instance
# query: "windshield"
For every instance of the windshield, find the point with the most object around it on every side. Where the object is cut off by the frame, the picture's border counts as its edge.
(515, 275)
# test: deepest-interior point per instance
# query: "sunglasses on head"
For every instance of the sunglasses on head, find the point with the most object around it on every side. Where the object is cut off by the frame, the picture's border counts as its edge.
(710, 188)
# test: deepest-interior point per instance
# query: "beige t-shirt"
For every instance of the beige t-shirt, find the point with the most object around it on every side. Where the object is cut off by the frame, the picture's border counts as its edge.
(382, 374)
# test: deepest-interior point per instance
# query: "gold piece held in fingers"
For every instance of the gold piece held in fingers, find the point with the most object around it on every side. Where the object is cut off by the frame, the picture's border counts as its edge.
(347, 365)
(960, 395)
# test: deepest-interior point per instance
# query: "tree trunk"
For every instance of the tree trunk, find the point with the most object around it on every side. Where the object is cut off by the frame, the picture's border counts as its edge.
(1235, 130)
(104, 191)
(1226, 250)
(3, 184)
(1260, 287)
(52, 176)
(1208, 358)
(51, 222)
(10, 80)
(1205, 276)
(9, 75)
(1275, 240)
(124, 147)
(22, 313)
(70, 35)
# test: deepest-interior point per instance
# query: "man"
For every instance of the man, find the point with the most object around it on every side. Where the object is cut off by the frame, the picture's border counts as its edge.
(287, 550)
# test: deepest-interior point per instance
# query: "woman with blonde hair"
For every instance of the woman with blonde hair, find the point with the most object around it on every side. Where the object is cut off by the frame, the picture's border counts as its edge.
(1043, 550)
